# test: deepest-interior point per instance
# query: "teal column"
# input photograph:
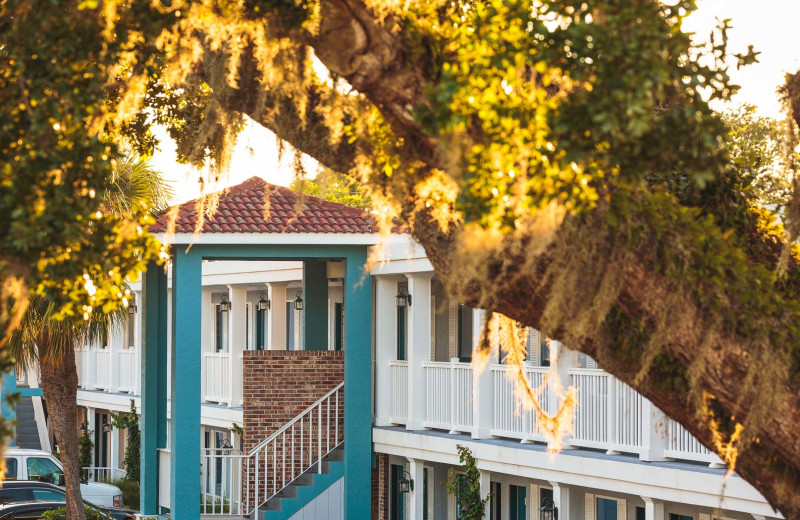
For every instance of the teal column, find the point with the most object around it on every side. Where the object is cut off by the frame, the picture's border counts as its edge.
(154, 383)
(315, 305)
(7, 408)
(187, 270)
(357, 389)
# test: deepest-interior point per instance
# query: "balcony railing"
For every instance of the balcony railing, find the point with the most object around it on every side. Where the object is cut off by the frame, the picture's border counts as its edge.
(128, 370)
(102, 379)
(609, 415)
(218, 374)
(398, 371)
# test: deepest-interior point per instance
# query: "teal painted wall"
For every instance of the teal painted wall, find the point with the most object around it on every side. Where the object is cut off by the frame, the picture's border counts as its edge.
(315, 305)
(154, 384)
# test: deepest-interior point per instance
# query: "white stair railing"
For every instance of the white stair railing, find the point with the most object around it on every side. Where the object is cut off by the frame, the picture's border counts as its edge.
(238, 484)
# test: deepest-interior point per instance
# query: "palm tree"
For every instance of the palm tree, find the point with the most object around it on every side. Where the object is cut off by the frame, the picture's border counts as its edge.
(135, 189)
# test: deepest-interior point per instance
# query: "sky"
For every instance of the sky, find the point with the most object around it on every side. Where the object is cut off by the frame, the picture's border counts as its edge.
(769, 25)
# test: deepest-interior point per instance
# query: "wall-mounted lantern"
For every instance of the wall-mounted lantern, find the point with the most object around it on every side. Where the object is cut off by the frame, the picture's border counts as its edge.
(106, 426)
(83, 427)
(402, 299)
(224, 304)
(548, 511)
(132, 306)
(263, 304)
(298, 301)
(406, 483)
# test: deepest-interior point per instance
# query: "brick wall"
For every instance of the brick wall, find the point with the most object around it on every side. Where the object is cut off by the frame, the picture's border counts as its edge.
(277, 387)
(280, 384)
(380, 488)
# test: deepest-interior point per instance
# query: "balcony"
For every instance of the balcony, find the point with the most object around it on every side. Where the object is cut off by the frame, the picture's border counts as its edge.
(609, 415)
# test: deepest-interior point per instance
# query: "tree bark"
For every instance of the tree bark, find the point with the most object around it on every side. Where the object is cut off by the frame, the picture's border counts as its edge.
(60, 388)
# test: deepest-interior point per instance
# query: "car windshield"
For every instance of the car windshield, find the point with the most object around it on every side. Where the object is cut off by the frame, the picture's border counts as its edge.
(43, 470)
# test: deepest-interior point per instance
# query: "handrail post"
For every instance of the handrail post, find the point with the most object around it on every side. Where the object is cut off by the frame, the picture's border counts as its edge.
(319, 439)
(612, 415)
(453, 400)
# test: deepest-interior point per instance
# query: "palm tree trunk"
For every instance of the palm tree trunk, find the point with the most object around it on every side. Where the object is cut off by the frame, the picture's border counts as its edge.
(60, 388)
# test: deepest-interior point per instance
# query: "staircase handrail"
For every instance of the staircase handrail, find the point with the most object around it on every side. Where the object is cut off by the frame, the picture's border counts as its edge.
(293, 421)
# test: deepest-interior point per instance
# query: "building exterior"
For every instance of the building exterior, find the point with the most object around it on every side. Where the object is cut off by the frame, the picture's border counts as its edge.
(305, 383)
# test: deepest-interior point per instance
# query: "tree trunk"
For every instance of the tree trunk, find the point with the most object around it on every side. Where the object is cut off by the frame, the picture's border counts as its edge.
(60, 388)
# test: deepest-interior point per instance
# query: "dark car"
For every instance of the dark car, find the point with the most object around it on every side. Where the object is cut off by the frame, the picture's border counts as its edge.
(46, 497)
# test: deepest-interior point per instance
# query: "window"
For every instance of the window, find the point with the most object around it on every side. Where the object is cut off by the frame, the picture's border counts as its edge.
(397, 506)
(338, 326)
(43, 470)
(248, 342)
(465, 315)
(221, 330)
(517, 499)
(401, 333)
(495, 502)
(674, 516)
(290, 322)
(440, 322)
(606, 509)
(12, 495)
(11, 469)
(261, 330)
(48, 494)
(640, 513)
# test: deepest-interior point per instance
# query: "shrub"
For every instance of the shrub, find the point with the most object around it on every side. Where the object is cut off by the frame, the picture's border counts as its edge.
(130, 492)
(61, 514)
(467, 488)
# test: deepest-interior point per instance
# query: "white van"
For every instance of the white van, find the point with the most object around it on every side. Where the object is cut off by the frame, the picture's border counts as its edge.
(39, 465)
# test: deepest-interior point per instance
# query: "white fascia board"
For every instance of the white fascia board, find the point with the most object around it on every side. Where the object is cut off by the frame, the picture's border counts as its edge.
(221, 416)
(641, 479)
(248, 266)
(395, 267)
(106, 401)
(366, 239)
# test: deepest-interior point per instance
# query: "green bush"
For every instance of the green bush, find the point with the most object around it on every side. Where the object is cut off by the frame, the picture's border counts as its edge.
(85, 448)
(130, 492)
(61, 514)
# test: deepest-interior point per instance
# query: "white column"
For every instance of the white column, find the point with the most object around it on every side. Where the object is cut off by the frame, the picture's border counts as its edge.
(419, 346)
(654, 435)
(483, 401)
(415, 498)
(563, 359)
(486, 488)
(113, 461)
(385, 345)
(137, 380)
(277, 315)
(238, 340)
(561, 499)
(653, 509)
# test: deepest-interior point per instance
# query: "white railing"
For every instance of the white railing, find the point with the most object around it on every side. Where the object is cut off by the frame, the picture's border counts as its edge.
(511, 418)
(591, 408)
(239, 484)
(438, 393)
(164, 456)
(448, 388)
(608, 415)
(128, 370)
(102, 378)
(101, 474)
(682, 445)
(398, 372)
(217, 380)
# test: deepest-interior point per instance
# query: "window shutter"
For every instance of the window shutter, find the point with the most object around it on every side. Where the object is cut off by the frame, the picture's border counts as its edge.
(433, 327)
(533, 346)
(451, 507)
(430, 492)
(591, 363)
(589, 513)
(453, 336)
(622, 510)
(533, 502)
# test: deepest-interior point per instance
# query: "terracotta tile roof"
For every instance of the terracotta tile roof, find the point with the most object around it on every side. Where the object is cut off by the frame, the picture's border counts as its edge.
(241, 210)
